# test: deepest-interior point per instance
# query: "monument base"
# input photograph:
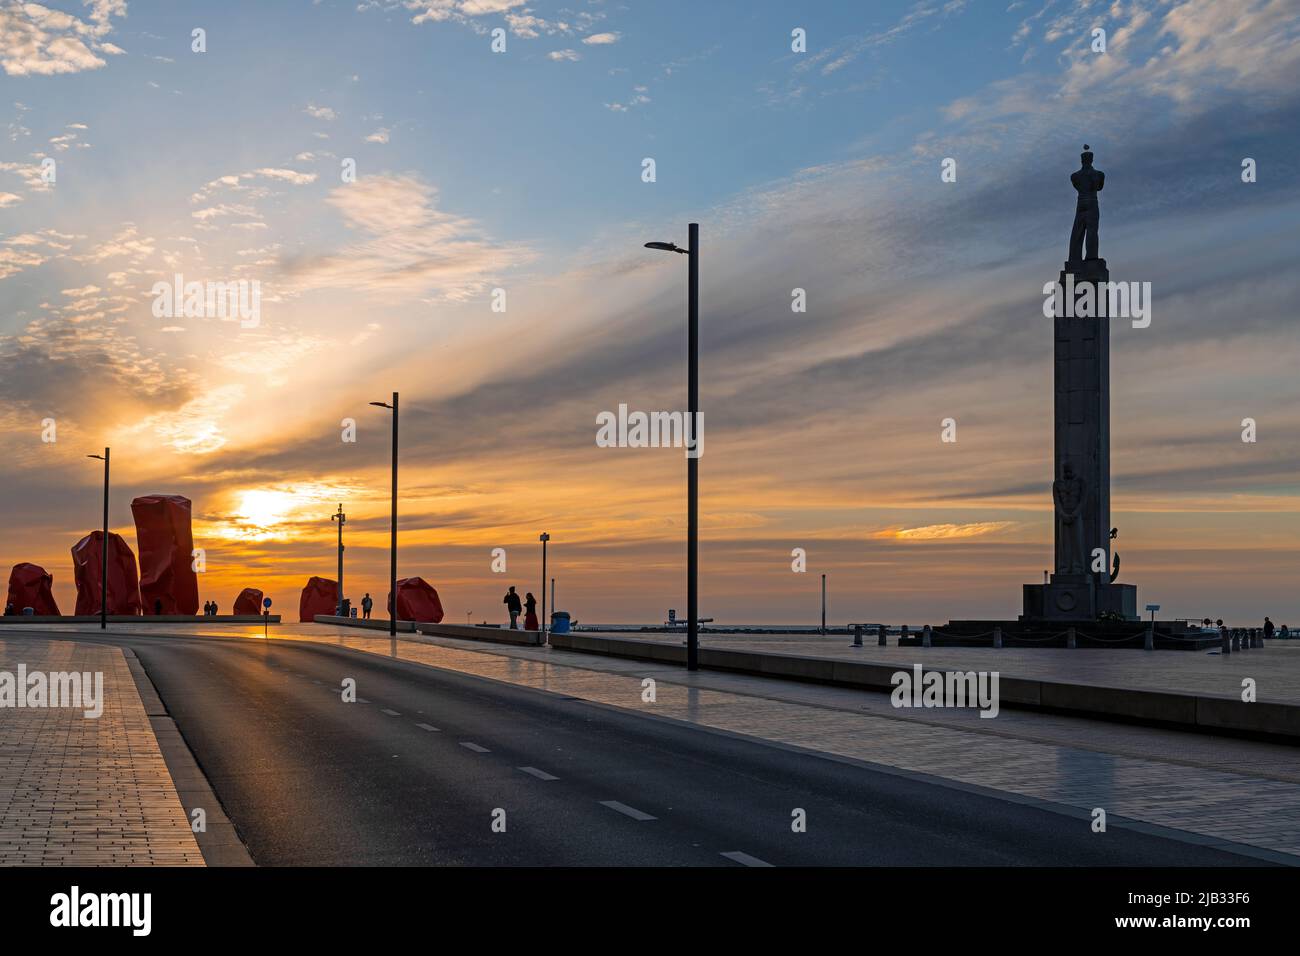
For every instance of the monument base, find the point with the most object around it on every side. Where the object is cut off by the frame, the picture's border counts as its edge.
(1077, 597)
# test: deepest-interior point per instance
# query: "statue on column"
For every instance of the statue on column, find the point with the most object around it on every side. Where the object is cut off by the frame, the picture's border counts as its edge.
(1087, 182)
(1069, 493)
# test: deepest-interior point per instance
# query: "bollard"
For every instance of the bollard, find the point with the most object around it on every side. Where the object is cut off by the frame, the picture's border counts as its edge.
(997, 637)
(1245, 640)
(1149, 642)
(857, 635)
(925, 636)
(1069, 638)
(1225, 643)
(882, 639)
(902, 635)
(1256, 640)
(1236, 640)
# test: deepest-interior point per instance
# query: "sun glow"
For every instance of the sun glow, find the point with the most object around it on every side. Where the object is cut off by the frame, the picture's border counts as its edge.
(284, 512)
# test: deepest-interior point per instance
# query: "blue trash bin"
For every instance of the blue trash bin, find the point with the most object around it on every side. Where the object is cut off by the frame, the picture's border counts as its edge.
(560, 622)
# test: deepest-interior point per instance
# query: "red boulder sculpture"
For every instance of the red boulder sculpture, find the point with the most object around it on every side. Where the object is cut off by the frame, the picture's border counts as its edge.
(88, 572)
(30, 586)
(249, 601)
(320, 596)
(417, 600)
(162, 530)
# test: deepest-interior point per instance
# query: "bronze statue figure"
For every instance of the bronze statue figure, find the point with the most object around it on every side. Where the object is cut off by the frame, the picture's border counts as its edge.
(1087, 182)
(1069, 493)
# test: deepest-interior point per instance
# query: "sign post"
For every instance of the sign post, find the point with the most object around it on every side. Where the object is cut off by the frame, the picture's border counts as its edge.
(266, 617)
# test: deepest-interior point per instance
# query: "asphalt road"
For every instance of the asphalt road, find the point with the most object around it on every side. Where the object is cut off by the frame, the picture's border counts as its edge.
(417, 770)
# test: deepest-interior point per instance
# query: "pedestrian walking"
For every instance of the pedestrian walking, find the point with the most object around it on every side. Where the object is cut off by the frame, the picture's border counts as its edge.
(1268, 628)
(530, 613)
(513, 605)
(366, 605)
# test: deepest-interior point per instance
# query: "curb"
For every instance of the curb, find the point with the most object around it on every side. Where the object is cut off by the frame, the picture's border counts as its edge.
(219, 843)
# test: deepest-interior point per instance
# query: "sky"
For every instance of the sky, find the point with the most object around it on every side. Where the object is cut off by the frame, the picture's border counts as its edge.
(392, 172)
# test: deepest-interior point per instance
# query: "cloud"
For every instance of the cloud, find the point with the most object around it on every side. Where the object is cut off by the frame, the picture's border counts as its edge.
(320, 112)
(599, 39)
(570, 55)
(379, 136)
(941, 532)
(238, 182)
(36, 40)
(408, 245)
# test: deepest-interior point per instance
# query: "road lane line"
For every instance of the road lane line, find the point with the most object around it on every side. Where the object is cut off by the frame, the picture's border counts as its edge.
(390, 713)
(362, 700)
(539, 774)
(433, 730)
(744, 859)
(474, 747)
(624, 809)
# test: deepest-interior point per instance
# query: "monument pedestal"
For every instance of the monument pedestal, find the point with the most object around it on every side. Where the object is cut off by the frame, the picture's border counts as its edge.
(1078, 597)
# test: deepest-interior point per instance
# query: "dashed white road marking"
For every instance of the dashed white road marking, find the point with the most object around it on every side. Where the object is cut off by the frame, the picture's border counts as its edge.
(539, 774)
(474, 747)
(432, 730)
(744, 859)
(362, 700)
(390, 713)
(624, 809)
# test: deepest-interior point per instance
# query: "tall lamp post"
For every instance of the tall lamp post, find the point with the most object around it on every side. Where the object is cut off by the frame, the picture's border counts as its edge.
(545, 537)
(692, 459)
(103, 550)
(341, 518)
(392, 545)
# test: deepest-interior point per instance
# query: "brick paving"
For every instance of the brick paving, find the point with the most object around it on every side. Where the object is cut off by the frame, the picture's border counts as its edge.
(86, 792)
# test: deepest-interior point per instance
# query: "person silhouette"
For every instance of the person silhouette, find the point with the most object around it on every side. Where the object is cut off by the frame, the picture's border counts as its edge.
(1087, 182)
(530, 613)
(513, 606)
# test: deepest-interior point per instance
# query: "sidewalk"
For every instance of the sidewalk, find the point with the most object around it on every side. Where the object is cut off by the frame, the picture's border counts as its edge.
(86, 792)
(1220, 789)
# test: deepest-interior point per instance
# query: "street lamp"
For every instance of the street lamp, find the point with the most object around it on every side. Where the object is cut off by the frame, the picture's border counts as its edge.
(392, 544)
(545, 537)
(103, 550)
(342, 519)
(692, 459)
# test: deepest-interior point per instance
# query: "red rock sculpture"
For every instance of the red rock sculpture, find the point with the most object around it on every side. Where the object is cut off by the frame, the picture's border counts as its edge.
(88, 572)
(168, 584)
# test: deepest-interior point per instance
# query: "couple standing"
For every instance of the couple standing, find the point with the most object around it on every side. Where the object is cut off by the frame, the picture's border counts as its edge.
(511, 601)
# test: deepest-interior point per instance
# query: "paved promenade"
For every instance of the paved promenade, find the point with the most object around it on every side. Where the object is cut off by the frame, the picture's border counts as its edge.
(86, 792)
(1220, 789)
(1275, 668)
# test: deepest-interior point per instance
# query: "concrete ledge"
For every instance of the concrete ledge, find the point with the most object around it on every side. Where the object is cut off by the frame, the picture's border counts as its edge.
(472, 632)
(139, 619)
(374, 624)
(1184, 711)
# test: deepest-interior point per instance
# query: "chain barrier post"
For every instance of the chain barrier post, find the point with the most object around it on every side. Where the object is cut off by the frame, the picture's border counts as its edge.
(1069, 639)
(881, 638)
(857, 636)
(997, 637)
(925, 636)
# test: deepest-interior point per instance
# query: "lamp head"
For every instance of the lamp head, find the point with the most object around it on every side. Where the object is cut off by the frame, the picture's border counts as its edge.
(665, 246)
